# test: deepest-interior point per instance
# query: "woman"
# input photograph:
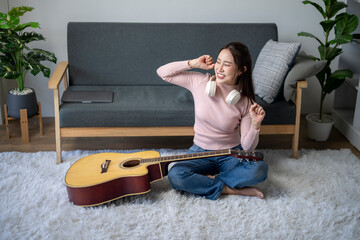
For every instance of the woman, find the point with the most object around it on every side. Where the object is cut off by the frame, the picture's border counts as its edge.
(223, 103)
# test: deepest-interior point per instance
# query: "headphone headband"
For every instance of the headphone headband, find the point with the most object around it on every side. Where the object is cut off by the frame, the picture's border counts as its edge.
(232, 98)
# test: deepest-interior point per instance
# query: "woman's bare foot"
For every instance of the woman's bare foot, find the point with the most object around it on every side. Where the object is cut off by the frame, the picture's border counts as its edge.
(246, 191)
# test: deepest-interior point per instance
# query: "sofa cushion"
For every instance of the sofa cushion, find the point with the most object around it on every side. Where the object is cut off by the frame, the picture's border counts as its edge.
(278, 112)
(133, 106)
(271, 67)
(151, 106)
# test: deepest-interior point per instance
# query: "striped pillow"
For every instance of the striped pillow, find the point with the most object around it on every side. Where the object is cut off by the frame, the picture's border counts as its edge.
(272, 65)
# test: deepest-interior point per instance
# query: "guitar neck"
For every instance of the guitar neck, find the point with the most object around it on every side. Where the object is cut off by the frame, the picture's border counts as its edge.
(190, 156)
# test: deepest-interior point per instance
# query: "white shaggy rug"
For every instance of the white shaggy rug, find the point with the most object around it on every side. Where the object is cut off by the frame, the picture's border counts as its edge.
(314, 197)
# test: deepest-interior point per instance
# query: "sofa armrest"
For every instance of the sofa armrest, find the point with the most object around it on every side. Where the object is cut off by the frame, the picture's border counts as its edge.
(58, 75)
(302, 84)
(299, 86)
(54, 81)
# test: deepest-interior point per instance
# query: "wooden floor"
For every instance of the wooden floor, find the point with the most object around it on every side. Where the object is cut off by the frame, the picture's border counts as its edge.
(47, 142)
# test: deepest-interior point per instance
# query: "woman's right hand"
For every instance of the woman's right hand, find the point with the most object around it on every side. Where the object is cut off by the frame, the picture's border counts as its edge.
(204, 62)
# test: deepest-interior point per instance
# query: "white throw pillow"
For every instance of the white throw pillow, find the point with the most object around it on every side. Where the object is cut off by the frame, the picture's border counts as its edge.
(271, 68)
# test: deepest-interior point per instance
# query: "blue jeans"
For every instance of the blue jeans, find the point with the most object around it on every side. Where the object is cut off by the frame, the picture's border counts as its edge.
(190, 176)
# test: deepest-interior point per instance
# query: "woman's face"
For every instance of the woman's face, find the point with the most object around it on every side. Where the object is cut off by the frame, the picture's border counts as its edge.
(226, 71)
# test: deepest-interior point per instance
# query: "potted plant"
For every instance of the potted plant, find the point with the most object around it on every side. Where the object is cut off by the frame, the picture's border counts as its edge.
(342, 25)
(17, 58)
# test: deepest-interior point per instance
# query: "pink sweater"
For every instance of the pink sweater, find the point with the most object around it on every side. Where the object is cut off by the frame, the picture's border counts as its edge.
(216, 122)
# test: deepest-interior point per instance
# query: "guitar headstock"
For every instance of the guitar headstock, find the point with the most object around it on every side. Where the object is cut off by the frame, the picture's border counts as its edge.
(250, 156)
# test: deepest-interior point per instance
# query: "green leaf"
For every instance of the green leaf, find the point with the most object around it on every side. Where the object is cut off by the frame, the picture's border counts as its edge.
(36, 67)
(32, 61)
(26, 25)
(324, 52)
(336, 79)
(11, 44)
(333, 53)
(32, 65)
(306, 34)
(329, 53)
(313, 57)
(343, 39)
(9, 75)
(346, 24)
(19, 11)
(6, 26)
(10, 22)
(14, 20)
(335, 8)
(35, 71)
(8, 71)
(3, 15)
(46, 71)
(317, 6)
(321, 76)
(327, 25)
(328, 2)
(42, 55)
(31, 36)
(321, 50)
(343, 73)
(332, 84)
(6, 58)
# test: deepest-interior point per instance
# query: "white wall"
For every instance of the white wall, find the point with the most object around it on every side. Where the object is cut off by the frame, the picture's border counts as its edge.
(291, 17)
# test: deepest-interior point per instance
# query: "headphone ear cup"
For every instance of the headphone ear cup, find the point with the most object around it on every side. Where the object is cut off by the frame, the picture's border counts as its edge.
(210, 88)
(233, 97)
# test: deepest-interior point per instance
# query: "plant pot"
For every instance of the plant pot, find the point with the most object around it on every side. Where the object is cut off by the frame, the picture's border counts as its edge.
(17, 102)
(319, 131)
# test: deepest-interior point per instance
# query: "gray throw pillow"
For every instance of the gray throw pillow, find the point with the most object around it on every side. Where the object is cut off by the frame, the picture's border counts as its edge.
(271, 67)
(304, 67)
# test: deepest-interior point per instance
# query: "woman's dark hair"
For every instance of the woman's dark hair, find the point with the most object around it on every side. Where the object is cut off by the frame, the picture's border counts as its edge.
(242, 59)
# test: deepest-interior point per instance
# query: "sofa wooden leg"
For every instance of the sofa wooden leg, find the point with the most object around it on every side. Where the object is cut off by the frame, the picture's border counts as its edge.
(295, 141)
(57, 127)
(58, 141)
(40, 121)
(58, 154)
(295, 145)
(58, 149)
(24, 123)
(6, 122)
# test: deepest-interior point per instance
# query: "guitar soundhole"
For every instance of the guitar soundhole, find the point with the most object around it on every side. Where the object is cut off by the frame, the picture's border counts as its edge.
(131, 163)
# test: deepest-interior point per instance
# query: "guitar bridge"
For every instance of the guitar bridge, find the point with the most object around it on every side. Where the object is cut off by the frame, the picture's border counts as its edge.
(105, 166)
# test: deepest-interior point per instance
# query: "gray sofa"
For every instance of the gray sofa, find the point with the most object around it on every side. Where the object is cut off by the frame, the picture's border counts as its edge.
(124, 57)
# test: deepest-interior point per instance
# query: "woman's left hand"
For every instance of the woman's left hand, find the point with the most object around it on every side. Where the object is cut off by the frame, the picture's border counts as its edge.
(257, 115)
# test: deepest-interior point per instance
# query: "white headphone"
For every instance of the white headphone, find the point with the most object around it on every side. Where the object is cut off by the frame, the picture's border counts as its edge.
(232, 98)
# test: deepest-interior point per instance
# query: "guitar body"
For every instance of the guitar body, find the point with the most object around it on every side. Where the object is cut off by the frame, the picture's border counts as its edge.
(125, 176)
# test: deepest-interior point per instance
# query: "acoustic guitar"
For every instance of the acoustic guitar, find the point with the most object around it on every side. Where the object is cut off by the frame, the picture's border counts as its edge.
(104, 177)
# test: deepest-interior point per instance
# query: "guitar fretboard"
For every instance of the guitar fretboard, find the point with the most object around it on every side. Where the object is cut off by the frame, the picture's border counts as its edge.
(187, 156)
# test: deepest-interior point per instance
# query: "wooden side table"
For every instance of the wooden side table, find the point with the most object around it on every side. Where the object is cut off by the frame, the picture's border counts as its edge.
(24, 124)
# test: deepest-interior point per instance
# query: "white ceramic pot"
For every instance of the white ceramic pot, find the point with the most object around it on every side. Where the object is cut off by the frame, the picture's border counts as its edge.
(319, 131)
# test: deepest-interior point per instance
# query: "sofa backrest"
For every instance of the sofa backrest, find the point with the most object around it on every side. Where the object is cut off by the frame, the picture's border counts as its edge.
(115, 54)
